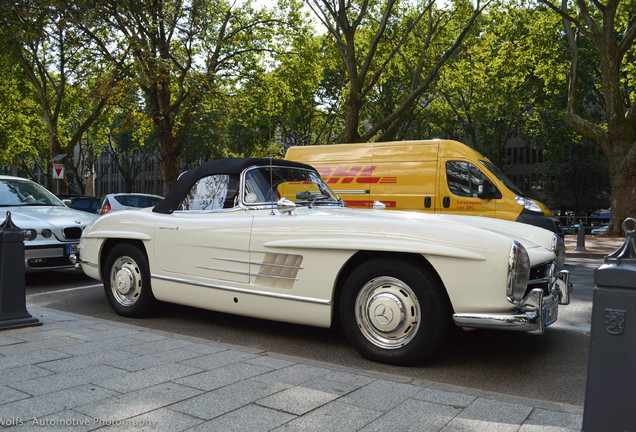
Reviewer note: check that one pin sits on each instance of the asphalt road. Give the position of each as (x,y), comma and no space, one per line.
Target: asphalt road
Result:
(550,367)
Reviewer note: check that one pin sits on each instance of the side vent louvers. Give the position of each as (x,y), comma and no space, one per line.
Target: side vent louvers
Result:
(279,270)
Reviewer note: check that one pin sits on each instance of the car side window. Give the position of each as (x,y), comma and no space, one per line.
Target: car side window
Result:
(212,193)
(463,178)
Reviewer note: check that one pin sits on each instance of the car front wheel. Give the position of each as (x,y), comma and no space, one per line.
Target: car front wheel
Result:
(394,311)
(127,281)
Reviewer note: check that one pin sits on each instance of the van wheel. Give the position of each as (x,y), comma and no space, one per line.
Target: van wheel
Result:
(394,312)
(127,281)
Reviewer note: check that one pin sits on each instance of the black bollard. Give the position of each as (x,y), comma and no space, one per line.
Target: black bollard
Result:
(611,374)
(580,239)
(13,312)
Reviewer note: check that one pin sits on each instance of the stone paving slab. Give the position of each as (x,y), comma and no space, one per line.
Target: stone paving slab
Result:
(75,373)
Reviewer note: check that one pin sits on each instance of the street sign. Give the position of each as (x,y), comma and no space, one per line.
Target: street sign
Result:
(58,171)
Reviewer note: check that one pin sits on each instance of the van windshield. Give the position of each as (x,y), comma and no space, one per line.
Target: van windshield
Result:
(502,177)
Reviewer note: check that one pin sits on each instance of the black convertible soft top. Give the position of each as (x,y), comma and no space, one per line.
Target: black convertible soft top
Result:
(234,166)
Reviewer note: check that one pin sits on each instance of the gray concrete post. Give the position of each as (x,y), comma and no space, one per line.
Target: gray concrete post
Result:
(610,393)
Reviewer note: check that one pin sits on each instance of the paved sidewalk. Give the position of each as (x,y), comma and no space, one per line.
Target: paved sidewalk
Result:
(595,246)
(76,373)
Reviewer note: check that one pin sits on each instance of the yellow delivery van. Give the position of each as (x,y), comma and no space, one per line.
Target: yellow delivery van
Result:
(437,176)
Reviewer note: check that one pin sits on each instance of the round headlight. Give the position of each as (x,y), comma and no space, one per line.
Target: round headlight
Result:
(30,234)
(558,247)
(46,233)
(518,272)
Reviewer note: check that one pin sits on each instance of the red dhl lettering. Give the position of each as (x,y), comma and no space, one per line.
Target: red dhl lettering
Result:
(324,171)
(354,171)
(353,174)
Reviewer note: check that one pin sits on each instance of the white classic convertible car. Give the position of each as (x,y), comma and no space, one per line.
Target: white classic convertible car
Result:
(268,239)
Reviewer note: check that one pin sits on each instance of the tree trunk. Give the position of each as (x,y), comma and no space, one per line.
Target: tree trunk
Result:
(168,149)
(352,119)
(623,181)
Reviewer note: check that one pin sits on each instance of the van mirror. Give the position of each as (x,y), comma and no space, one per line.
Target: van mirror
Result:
(487,190)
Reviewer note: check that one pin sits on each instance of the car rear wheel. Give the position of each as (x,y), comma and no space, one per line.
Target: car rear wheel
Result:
(394,311)
(127,281)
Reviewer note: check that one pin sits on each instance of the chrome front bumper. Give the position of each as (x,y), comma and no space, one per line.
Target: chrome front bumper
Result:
(534,313)
(57,256)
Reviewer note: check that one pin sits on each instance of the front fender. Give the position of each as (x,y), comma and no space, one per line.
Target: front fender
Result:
(379,245)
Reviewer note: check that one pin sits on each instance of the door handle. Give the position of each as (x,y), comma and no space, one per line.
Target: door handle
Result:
(446,202)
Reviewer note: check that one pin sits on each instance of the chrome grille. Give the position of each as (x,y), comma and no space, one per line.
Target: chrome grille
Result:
(540,276)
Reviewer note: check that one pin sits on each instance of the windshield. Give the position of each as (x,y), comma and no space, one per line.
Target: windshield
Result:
(298,185)
(502,177)
(25,193)
(141,201)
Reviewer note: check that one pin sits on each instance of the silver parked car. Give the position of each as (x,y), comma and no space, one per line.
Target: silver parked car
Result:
(51,230)
(128,201)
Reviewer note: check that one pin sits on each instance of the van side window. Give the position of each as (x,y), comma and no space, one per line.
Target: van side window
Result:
(212,193)
(463,178)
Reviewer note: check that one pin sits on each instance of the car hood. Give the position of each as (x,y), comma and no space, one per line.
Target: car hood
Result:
(517,230)
(46,216)
(528,235)
(344,227)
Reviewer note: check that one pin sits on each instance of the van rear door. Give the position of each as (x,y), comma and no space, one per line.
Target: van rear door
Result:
(461,183)
(405,176)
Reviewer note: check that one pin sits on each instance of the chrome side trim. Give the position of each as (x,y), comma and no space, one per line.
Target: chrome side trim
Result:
(258,263)
(243,290)
(244,273)
(88,263)
(352,192)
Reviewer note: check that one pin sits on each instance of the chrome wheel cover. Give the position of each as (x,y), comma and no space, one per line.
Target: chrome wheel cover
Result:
(125,281)
(387,312)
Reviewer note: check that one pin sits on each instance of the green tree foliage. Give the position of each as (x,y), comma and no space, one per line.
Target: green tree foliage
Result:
(271,103)
(487,92)
(57,62)
(128,147)
(610,31)
(21,127)
(178,52)
(371,37)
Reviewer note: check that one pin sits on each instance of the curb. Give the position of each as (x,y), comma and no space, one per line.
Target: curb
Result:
(581,254)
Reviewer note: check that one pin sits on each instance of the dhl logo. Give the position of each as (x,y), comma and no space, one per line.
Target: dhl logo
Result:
(353,174)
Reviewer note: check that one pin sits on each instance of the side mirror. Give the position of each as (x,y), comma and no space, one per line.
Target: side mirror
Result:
(286,206)
(378,205)
(487,190)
